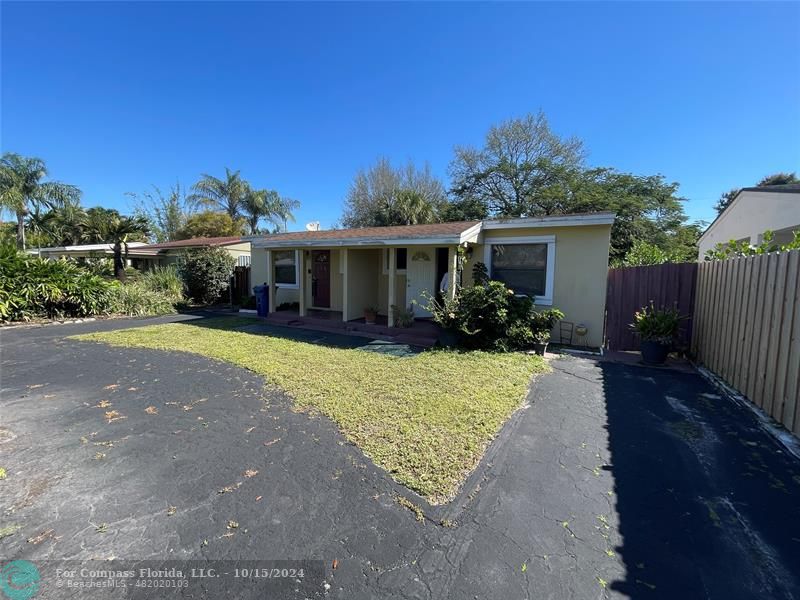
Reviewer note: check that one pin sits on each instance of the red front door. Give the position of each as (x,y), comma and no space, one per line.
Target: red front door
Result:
(321,278)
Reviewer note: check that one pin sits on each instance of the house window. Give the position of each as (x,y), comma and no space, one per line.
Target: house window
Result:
(401,260)
(525,265)
(285,267)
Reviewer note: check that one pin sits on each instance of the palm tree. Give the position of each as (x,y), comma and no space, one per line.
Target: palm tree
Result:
(255,206)
(118,230)
(224,194)
(284,211)
(21,188)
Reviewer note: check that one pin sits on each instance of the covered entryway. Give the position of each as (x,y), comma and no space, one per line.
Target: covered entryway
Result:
(420,279)
(321,278)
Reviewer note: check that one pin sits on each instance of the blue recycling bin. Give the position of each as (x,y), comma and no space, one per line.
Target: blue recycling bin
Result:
(262,300)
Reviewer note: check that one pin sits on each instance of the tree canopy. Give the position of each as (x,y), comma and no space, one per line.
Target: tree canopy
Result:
(385,195)
(211,224)
(520,170)
(22,188)
(167,213)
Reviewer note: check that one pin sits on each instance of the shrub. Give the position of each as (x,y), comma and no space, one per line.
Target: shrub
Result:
(35,287)
(165,281)
(403,317)
(206,273)
(542,322)
(138,299)
(492,317)
(657,324)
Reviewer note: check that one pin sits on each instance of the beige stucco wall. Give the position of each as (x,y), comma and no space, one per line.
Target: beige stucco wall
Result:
(363,270)
(259,276)
(750,215)
(581,268)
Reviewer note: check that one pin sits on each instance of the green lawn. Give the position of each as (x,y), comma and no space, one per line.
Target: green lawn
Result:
(426,419)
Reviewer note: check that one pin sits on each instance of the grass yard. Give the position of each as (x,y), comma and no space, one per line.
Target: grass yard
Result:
(426,419)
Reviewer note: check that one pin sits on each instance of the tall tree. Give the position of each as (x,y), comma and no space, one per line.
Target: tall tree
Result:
(647,208)
(167,212)
(519,171)
(21,188)
(221,194)
(385,195)
(775,179)
(269,206)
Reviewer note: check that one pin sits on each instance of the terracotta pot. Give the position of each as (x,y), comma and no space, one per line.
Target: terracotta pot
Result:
(370,317)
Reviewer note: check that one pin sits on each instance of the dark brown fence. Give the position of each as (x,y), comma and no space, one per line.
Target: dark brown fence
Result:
(241,283)
(631,288)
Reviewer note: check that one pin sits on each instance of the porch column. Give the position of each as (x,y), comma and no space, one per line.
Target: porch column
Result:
(301,283)
(392,281)
(345,284)
(452,268)
(271,281)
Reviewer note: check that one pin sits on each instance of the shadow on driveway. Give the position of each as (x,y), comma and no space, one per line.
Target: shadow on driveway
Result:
(708,503)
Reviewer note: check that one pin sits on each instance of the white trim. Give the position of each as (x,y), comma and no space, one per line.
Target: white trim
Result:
(522,239)
(385,261)
(471,234)
(549,278)
(554,221)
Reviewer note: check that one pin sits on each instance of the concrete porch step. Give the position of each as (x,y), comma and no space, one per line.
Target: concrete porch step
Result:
(423,339)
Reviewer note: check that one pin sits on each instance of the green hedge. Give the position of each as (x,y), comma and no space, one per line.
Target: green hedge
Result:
(32,287)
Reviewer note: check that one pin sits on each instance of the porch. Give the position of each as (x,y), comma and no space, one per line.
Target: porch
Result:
(423,332)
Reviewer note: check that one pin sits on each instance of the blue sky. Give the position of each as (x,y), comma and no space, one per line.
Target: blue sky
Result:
(117,96)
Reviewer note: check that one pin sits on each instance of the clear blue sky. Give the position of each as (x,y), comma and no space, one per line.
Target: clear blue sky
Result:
(117,96)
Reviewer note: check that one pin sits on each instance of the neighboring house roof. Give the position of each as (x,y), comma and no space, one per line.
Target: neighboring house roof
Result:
(134,249)
(433,233)
(788,188)
(199,242)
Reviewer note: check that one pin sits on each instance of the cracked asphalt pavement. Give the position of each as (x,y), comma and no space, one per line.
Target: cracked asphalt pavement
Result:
(615,481)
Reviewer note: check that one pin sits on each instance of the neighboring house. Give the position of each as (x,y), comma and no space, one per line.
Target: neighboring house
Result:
(561,261)
(144,256)
(238,247)
(753,211)
(140,254)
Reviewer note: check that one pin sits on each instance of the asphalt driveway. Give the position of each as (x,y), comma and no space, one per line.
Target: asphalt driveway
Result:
(615,482)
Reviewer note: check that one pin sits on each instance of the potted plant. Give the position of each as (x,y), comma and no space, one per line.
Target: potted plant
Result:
(370,315)
(540,341)
(542,322)
(657,328)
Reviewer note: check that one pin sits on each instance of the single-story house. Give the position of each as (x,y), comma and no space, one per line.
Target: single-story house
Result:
(560,261)
(144,256)
(753,211)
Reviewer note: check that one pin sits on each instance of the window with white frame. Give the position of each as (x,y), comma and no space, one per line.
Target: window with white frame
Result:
(401,260)
(286,264)
(525,265)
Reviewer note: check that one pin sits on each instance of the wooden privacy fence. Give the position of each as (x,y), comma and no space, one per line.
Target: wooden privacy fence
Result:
(241,283)
(747,329)
(631,288)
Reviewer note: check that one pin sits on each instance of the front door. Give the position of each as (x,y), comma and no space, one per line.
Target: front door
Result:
(321,278)
(420,275)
